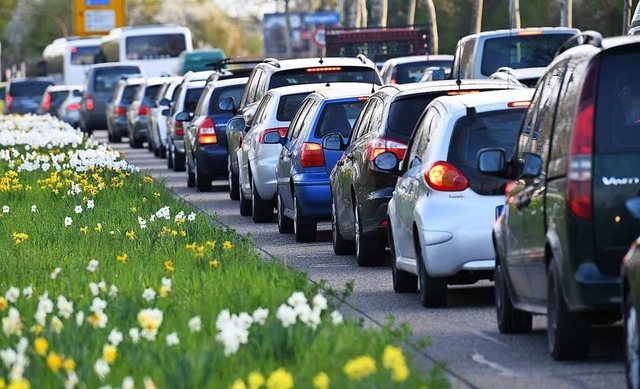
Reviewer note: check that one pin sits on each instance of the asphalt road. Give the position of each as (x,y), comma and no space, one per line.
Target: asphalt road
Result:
(464,334)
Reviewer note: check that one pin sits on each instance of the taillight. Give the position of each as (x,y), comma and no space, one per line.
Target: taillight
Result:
(8,100)
(46,103)
(311,155)
(378,146)
(579,191)
(207,132)
(89,103)
(267,134)
(143,110)
(179,129)
(121,111)
(445,177)
(72,107)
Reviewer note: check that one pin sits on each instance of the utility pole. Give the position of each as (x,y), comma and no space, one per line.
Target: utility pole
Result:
(566,13)
(476,16)
(288,28)
(626,15)
(432,26)
(411,13)
(514,13)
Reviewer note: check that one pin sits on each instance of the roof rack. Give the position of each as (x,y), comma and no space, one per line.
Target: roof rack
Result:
(589,37)
(219,65)
(272,61)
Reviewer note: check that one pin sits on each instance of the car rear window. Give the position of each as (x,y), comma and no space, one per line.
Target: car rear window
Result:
(520,51)
(106,79)
(338,117)
(84,55)
(150,93)
(288,106)
(58,97)
(618,105)
(324,74)
(129,93)
(191,99)
(412,72)
(28,88)
(220,93)
(489,129)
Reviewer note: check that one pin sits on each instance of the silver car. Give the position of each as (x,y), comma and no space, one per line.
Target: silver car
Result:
(261,146)
(156,122)
(69,109)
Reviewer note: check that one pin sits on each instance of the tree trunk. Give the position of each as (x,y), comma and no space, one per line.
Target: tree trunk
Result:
(476,17)
(384,10)
(411,13)
(361,14)
(514,12)
(289,53)
(432,26)
(351,13)
(566,13)
(627,15)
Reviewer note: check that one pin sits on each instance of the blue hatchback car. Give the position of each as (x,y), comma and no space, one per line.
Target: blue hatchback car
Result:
(302,172)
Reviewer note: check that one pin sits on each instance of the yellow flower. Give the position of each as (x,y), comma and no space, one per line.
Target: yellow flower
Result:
(214,263)
(148,179)
(321,381)
(144,199)
(360,367)
(227,245)
(19,237)
(67,172)
(98,228)
(133,209)
(168,266)
(122,258)
(400,373)
(190,246)
(211,244)
(156,194)
(180,222)
(174,233)
(238,384)
(255,380)
(4,304)
(163,291)
(54,361)
(41,345)
(392,356)
(183,233)
(280,379)
(84,229)
(69,365)
(130,234)
(109,353)
(36,329)
(22,383)
(3,385)
(200,251)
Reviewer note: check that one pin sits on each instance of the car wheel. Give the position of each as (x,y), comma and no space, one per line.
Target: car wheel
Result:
(202,180)
(163,152)
(262,210)
(245,206)
(135,143)
(191,177)
(341,246)
(178,161)
(109,136)
(632,342)
(149,145)
(304,231)
(234,184)
(567,332)
(116,138)
(433,291)
(369,252)
(403,281)
(169,157)
(285,225)
(510,319)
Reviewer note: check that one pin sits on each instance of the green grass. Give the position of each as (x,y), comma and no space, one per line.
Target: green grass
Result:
(241,282)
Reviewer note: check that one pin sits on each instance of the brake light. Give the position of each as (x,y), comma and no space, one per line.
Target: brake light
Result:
(393,81)
(143,110)
(530,32)
(312,155)
(378,146)
(519,104)
(207,132)
(579,191)
(72,107)
(89,103)
(179,129)
(121,111)
(282,131)
(445,177)
(327,69)
(8,100)
(46,103)
(461,92)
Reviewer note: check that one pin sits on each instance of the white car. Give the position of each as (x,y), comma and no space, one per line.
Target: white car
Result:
(157,122)
(443,208)
(261,146)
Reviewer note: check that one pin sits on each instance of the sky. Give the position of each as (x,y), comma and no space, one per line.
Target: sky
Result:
(237,8)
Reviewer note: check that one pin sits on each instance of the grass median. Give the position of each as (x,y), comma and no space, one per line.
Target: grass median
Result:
(106,279)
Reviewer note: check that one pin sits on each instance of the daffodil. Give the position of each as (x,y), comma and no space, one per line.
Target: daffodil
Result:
(280,379)
(130,234)
(168,266)
(255,380)
(227,245)
(214,263)
(69,365)
(156,194)
(122,258)
(98,228)
(360,367)
(190,246)
(321,381)
(109,353)
(211,244)
(199,252)
(54,361)
(4,304)
(41,346)
(84,229)
(21,383)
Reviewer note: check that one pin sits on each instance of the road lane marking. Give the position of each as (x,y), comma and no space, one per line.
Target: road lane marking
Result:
(484,336)
(502,371)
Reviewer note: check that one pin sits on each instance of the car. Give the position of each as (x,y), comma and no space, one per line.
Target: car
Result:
(100,81)
(53,97)
(157,123)
(25,95)
(634,27)
(198,60)
(442,210)
(274,73)
(258,155)
(480,55)
(526,76)
(403,70)
(362,183)
(187,95)
(116,111)
(565,228)
(3,92)
(69,110)
(630,277)
(205,142)
(139,109)
(303,168)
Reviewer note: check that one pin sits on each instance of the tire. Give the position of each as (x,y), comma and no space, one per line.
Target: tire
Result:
(341,246)
(403,281)
(202,180)
(116,138)
(261,210)
(178,161)
(632,342)
(109,136)
(245,206)
(510,320)
(285,225)
(303,231)
(163,152)
(169,158)
(136,143)
(149,145)
(234,184)
(156,150)
(433,291)
(369,252)
(191,177)
(567,333)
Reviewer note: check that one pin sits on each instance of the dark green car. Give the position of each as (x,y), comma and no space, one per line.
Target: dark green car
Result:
(564,230)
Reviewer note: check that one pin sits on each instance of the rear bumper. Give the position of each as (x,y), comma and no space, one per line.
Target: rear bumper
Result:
(590,290)
(264,175)
(212,159)
(139,129)
(373,211)
(314,195)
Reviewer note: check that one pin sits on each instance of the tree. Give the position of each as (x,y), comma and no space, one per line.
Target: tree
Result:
(432,26)
(411,13)
(566,17)
(476,17)
(514,13)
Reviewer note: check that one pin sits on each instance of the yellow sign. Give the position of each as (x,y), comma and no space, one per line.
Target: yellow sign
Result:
(98,17)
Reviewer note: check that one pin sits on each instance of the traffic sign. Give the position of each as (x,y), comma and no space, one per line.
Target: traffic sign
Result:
(319,37)
(320,18)
(98,17)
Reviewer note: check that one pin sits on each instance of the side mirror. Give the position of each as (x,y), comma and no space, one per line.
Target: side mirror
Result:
(184,116)
(77,93)
(387,161)
(166,112)
(272,138)
(333,142)
(492,162)
(164,102)
(532,165)
(237,124)
(227,104)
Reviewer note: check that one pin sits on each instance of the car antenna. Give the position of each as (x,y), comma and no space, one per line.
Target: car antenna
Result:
(320,61)
(373,74)
(510,41)
(458,80)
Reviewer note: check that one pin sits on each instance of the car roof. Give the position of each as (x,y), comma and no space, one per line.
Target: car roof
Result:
(59,88)
(420,58)
(521,31)
(114,65)
(155,80)
(339,90)
(295,89)
(445,85)
(197,76)
(298,63)
(485,101)
(229,81)
(610,43)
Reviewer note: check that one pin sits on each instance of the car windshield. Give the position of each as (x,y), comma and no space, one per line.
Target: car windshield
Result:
(288,106)
(106,79)
(520,51)
(326,74)
(413,72)
(338,118)
(489,129)
(28,88)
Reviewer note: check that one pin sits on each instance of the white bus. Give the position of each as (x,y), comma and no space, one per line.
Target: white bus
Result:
(156,48)
(66,59)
